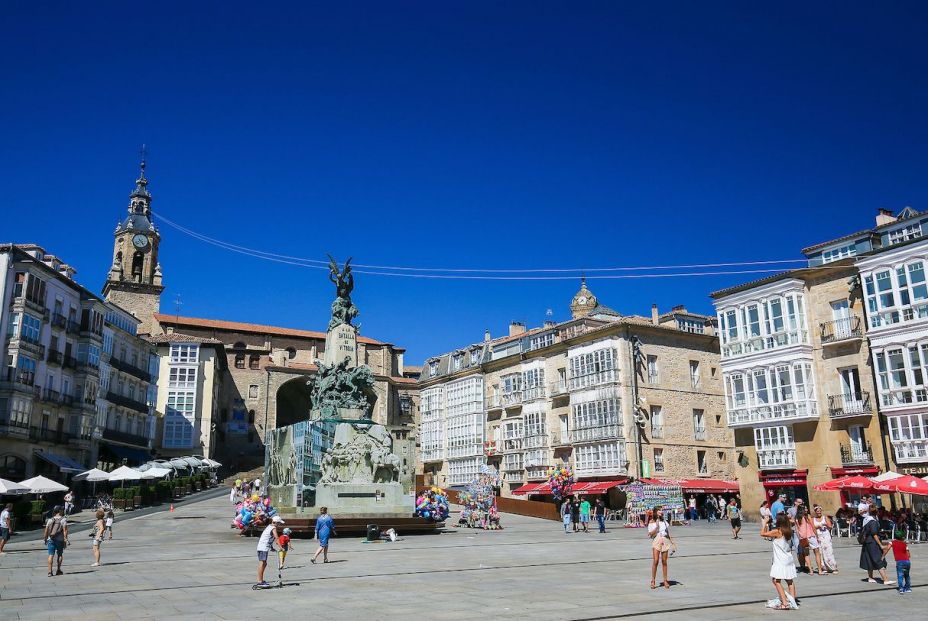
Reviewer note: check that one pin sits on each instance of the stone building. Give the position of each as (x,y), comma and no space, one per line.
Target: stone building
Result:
(264,375)
(814,356)
(253,377)
(60,409)
(566,392)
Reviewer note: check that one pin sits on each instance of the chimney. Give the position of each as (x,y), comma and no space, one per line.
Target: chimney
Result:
(884,216)
(549,324)
(516,328)
(655,316)
(486,336)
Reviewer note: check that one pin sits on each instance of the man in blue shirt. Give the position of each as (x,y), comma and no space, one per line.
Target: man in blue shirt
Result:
(777,507)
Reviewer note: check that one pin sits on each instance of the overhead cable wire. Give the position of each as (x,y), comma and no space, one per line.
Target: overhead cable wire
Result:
(493,274)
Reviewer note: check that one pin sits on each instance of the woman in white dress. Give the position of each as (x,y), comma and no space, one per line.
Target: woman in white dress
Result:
(782,567)
(823,532)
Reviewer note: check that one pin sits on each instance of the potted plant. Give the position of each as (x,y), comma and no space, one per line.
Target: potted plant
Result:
(119,498)
(37,511)
(188,481)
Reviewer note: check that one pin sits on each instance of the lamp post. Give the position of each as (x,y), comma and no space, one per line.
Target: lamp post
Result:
(639,414)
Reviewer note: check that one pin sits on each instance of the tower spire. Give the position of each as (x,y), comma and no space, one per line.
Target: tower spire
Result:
(140,199)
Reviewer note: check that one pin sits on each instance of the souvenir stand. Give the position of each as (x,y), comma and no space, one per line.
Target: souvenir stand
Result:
(642,498)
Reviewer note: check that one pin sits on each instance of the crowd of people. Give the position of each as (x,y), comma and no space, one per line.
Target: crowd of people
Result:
(577,511)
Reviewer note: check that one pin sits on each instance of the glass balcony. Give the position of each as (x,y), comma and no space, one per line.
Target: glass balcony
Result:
(535,392)
(775,412)
(771,459)
(598,378)
(910,451)
(536,440)
(763,343)
(909,314)
(557,389)
(841,406)
(601,469)
(594,434)
(505,400)
(903,396)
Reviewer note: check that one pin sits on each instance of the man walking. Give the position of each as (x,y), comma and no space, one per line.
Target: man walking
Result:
(778,507)
(68,503)
(56,538)
(565,515)
(711,508)
(5,527)
(600,511)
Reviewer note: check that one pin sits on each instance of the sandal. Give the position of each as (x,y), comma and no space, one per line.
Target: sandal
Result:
(653,586)
(49,574)
(666,584)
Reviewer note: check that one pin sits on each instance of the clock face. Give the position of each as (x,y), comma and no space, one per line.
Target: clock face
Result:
(581,299)
(140,241)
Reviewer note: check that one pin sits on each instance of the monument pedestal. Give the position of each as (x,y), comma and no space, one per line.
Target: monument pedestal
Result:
(368,500)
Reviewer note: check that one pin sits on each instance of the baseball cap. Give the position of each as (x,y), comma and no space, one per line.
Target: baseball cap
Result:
(278,520)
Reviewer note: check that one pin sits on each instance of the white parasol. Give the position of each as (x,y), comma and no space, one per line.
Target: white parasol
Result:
(41,485)
(124,473)
(93,475)
(886,476)
(9,487)
(156,473)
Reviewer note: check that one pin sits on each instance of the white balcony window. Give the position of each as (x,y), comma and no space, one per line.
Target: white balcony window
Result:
(694,374)
(657,422)
(902,374)
(909,437)
(836,254)
(771,323)
(653,371)
(512,461)
(911,231)
(593,368)
(533,384)
(699,424)
(658,460)
(463,471)
(770,393)
(536,458)
(596,420)
(775,447)
(896,295)
(607,458)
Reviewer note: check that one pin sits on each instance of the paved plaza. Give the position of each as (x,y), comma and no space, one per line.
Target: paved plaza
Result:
(190,565)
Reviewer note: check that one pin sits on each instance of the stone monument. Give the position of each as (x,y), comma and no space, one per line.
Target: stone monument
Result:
(360,473)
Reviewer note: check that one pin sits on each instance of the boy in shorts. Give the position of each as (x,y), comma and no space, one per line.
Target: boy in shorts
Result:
(265,545)
(108,524)
(285,546)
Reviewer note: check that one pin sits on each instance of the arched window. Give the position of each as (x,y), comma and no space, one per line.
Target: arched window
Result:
(12,467)
(137,260)
(291,353)
(253,361)
(239,345)
(118,260)
(239,361)
(251,417)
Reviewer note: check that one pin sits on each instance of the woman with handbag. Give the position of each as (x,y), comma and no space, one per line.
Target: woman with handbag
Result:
(661,546)
(872,557)
(808,540)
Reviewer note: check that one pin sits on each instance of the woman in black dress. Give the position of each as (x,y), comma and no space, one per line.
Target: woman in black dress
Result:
(871,549)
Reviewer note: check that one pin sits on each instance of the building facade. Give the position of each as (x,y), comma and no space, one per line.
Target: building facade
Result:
(51,393)
(823,365)
(567,393)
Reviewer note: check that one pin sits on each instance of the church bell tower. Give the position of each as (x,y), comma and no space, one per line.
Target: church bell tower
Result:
(134,279)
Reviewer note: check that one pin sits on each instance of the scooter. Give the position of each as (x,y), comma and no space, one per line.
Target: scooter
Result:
(280,581)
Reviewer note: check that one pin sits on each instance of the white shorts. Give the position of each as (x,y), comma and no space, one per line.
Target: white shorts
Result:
(813,542)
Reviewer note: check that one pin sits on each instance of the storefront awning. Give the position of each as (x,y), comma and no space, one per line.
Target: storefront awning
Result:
(533,488)
(131,455)
(62,462)
(709,486)
(596,487)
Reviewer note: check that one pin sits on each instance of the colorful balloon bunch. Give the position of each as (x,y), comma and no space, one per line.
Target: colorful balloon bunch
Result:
(253,512)
(432,505)
(561,481)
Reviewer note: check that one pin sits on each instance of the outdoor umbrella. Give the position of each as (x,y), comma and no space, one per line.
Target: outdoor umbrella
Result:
(9,487)
(855,483)
(193,461)
(156,473)
(124,473)
(212,463)
(906,484)
(180,464)
(93,475)
(886,476)
(41,485)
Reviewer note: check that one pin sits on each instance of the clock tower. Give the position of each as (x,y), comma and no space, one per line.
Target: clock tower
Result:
(583,303)
(134,280)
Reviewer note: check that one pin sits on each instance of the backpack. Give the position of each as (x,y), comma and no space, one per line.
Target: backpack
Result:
(862,536)
(55,530)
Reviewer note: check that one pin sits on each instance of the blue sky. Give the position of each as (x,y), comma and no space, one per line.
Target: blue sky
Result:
(457,134)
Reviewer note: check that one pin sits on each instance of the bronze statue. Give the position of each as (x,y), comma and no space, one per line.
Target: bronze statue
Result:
(343,310)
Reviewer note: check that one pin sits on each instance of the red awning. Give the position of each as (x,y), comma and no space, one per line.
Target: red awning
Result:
(709,486)
(596,487)
(867,471)
(657,481)
(533,488)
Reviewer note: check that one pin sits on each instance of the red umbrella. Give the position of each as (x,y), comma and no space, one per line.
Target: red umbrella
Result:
(855,483)
(906,484)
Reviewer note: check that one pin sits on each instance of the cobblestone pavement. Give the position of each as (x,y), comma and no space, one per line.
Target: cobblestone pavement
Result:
(190,565)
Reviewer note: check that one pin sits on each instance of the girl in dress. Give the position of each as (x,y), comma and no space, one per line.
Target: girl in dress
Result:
(659,531)
(823,526)
(782,567)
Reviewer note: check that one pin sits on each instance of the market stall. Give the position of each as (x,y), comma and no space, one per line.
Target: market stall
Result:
(645,497)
